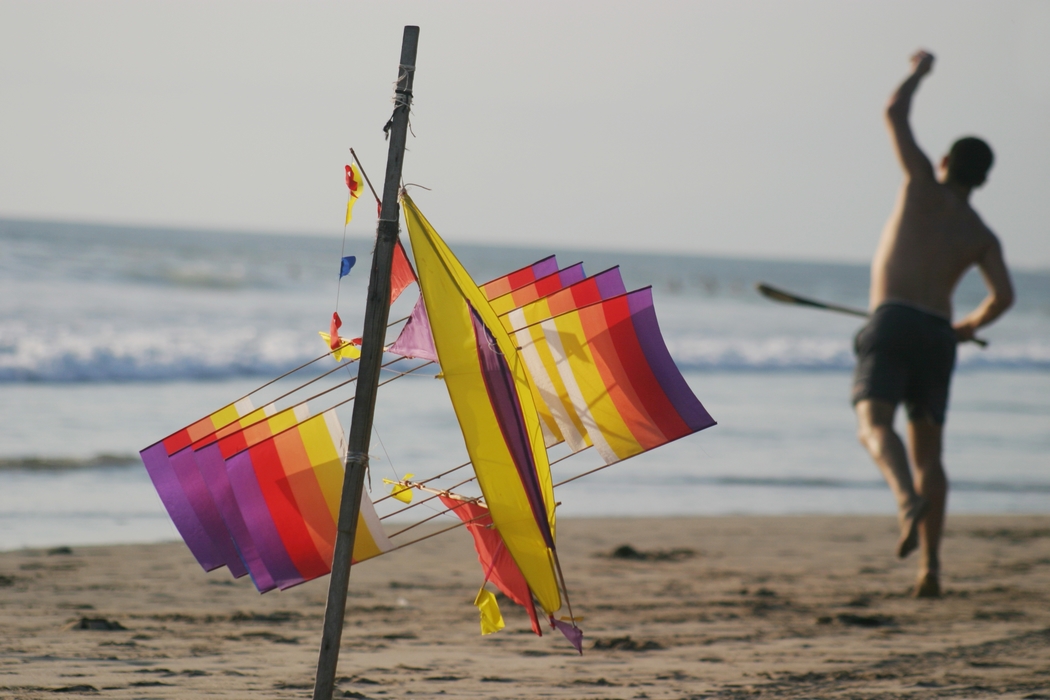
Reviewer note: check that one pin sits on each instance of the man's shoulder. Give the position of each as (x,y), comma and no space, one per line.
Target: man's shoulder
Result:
(977,223)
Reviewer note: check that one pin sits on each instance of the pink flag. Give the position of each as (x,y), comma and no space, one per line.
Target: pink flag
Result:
(415,339)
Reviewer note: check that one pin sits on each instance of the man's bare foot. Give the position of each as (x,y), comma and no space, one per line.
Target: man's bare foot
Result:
(929,586)
(909,540)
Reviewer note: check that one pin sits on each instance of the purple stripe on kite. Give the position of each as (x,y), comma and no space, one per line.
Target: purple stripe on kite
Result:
(213,468)
(155,458)
(547,266)
(185,467)
(610,284)
(572,274)
(504,399)
(643,316)
(257,518)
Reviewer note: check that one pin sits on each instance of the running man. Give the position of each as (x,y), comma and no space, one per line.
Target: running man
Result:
(906,352)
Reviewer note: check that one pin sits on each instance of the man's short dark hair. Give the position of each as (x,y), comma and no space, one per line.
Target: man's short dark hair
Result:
(969,161)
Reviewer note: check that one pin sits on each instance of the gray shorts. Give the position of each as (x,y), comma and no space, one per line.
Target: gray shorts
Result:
(905,354)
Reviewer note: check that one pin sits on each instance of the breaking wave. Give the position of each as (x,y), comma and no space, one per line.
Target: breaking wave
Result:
(813,354)
(45,463)
(199,354)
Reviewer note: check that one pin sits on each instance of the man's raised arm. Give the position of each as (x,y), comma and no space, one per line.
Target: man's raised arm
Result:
(912,159)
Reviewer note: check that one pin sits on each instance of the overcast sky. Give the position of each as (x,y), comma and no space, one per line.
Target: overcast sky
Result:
(734,128)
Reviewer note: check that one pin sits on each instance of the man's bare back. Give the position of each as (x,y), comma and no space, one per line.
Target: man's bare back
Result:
(933,235)
(906,352)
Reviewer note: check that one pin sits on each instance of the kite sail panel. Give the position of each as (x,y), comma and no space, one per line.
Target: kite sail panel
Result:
(561,420)
(520,278)
(544,286)
(493,400)
(288,488)
(259,492)
(184,494)
(619,376)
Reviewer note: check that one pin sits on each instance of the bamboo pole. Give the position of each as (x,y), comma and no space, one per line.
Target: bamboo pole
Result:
(376,315)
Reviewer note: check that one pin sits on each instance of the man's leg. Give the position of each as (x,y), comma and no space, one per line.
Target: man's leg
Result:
(875,432)
(926,441)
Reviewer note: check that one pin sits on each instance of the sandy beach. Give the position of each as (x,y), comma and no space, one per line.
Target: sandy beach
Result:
(812,606)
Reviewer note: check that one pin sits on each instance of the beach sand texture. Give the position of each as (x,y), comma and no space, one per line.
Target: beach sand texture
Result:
(723,607)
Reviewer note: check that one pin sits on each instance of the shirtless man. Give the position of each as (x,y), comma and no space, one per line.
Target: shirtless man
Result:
(907,350)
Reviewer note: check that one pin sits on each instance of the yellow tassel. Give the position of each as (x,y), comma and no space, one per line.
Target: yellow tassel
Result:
(491,619)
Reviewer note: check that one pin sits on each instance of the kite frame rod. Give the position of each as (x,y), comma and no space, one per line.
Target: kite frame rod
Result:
(425,500)
(435,534)
(620,461)
(438,514)
(362,167)
(259,388)
(377,313)
(427,480)
(290,372)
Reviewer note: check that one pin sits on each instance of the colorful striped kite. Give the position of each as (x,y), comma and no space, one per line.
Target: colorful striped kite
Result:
(619,377)
(493,400)
(260,494)
(536,357)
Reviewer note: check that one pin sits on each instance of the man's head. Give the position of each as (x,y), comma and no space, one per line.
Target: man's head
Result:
(968,162)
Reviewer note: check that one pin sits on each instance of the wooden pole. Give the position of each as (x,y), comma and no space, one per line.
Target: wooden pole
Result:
(377,313)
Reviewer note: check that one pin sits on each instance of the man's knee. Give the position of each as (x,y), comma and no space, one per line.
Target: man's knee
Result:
(874,420)
(931,472)
(927,445)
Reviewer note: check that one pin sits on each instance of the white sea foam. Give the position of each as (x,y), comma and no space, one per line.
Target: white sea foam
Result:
(108,354)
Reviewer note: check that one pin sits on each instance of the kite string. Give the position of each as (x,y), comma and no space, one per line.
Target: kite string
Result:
(435,534)
(397,375)
(619,461)
(346,223)
(389,461)
(438,514)
(339,366)
(445,473)
(342,250)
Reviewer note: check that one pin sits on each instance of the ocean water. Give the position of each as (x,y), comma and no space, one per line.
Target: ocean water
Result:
(112,338)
